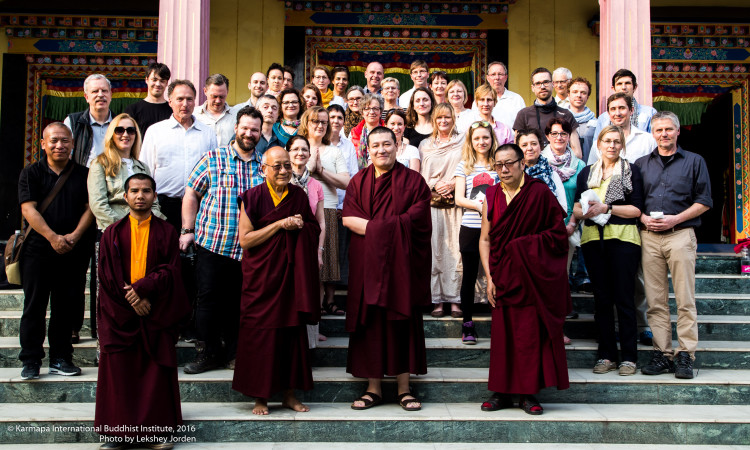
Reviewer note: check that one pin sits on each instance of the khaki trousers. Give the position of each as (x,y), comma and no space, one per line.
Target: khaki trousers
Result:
(674,252)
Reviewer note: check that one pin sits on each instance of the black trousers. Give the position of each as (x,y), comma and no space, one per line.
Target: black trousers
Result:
(217,317)
(612,265)
(60,281)
(468,244)
(172,208)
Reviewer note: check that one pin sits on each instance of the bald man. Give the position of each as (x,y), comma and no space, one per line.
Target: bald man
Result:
(257,86)
(56,252)
(374,76)
(279,238)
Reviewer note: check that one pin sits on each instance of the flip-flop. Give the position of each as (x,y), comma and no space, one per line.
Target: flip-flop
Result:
(403,403)
(497,402)
(376,400)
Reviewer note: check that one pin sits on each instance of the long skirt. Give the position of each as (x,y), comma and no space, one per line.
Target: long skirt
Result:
(330,270)
(272,360)
(387,347)
(134,390)
(447,268)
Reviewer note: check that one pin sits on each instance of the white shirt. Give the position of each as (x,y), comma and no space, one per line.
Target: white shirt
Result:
(98,130)
(465,118)
(410,152)
(333,161)
(223,126)
(236,108)
(563,103)
(129,164)
(560,190)
(170,152)
(506,109)
(637,144)
(350,157)
(405,98)
(336,100)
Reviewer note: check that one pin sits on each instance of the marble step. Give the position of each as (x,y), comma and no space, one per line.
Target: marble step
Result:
(436,422)
(710,327)
(440,384)
(440,352)
(384,446)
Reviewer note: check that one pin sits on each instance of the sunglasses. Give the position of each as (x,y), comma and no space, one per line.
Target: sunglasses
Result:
(481,123)
(121,130)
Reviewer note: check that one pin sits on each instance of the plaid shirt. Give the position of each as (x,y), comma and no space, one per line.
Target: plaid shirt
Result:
(220,177)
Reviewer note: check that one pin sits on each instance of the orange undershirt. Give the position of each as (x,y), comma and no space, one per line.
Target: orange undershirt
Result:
(511,195)
(274,196)
(138,248)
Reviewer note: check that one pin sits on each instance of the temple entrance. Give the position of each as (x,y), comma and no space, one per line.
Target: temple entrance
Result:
(712,139)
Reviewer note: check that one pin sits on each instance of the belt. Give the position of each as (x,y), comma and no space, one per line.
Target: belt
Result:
(670,230)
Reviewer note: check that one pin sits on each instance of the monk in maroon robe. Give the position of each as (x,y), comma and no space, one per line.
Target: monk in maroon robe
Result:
(387,207)
(523,246)
(279,236)
(142,304)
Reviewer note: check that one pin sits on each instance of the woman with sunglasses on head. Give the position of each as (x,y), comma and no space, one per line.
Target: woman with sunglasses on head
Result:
(292,106)
(486,98)
(107,175)
(474,174)
(327,165)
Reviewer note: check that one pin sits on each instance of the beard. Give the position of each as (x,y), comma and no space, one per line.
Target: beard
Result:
(246,144)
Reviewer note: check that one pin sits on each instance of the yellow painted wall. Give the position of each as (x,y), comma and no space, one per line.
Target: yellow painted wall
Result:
(246,37)
(551,34)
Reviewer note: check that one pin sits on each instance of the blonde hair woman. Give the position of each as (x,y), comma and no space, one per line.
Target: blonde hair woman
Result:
(441,154)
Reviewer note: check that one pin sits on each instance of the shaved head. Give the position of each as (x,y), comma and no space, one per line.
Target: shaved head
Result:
(277,167)
(273,154)
(55,125)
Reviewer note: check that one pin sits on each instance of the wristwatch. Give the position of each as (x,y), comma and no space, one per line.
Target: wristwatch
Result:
(609,208)
(187,231)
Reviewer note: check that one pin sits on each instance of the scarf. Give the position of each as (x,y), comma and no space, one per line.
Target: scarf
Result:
(290,123)
(636,111)
(566,165)
(543,171)
(362,153)
(549,108)
(584,116)
(620,184)
(326,96)
(301,180)
(351,120)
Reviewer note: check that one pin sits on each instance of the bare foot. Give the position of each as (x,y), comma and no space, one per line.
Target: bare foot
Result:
(291,402)
(261,407)
(322,338)
(409,401)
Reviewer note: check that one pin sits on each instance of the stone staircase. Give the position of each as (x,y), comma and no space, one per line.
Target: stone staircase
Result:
(710,409)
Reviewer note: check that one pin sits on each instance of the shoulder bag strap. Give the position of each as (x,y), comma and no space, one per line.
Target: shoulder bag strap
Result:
(53,193)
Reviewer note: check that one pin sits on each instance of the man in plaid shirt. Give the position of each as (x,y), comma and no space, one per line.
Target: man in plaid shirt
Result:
(210,220)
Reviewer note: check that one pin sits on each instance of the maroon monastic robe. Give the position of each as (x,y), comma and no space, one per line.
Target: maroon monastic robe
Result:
(528,254)
(137,383)
(389,272)
(280,296)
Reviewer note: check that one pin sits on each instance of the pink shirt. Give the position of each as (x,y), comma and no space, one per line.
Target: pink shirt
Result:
(314,193)
(503,133)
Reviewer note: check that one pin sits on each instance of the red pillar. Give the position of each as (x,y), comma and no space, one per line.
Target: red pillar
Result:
(183,39)
(625,43)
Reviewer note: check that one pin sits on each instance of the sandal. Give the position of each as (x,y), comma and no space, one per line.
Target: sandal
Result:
(403,401)
(333,309)
(376,400)
(497,402)
(530,405)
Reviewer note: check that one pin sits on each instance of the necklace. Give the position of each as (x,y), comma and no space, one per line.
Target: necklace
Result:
(290,123)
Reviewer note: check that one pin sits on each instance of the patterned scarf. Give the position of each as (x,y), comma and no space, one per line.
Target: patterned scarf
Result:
(620,184)
(362,153)
(584,116)
(351,120)
(543,171)
(565,165)
(301,180)
(636,111)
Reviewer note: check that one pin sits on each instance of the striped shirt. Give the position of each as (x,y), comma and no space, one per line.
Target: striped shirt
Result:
(220,177)
(477,183)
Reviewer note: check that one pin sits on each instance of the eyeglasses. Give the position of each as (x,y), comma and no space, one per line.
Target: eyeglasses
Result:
(480,123)
(354,100)
(277,167)
(390,88)
(372,108)
(611,141)
(561,134)
(320,77)
(290,103)
(542,83)
(499,166)
(317,122)
(119,131)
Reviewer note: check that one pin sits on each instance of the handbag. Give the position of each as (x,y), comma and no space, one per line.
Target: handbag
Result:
(12,254)
(438,201)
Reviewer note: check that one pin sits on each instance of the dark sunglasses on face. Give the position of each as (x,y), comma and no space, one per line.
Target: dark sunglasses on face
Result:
(121,130)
